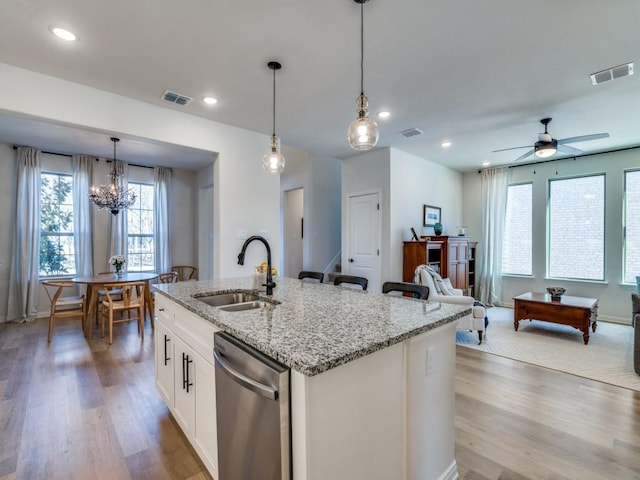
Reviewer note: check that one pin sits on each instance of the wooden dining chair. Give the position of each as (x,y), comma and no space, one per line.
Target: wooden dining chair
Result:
(101,295)
(417,291)
(351,279)
(185,272)
(132,300)
(169,277)
(63,307)
(311,275)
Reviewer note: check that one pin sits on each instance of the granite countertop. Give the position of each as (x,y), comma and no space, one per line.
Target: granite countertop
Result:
(316,327)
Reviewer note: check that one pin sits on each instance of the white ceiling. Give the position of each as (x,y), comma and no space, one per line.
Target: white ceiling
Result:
(479,73)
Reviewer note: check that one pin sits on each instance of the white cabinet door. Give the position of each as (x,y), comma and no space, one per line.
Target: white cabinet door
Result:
(205,435)
(165,361)
(185,386)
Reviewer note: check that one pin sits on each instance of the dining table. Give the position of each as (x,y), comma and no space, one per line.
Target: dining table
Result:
(95,283)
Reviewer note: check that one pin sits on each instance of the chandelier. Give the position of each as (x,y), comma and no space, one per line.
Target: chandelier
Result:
(115,196)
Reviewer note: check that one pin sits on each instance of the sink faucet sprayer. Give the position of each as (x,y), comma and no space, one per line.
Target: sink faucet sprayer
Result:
(270,283)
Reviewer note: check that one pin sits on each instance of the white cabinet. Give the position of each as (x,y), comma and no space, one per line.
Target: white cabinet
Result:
(185,376)
(164,362)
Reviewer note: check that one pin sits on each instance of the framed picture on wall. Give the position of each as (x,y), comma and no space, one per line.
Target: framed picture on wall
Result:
(431,215)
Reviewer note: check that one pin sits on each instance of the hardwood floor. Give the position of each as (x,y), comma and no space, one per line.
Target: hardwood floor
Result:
(517,421)
(78,409)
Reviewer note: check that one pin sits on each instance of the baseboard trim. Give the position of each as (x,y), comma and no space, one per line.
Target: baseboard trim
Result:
(451,473)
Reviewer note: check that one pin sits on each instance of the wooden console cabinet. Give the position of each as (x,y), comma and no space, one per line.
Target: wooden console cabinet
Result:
(448,255)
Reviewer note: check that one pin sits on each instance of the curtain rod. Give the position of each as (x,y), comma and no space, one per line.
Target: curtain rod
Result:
(15,147)
(572,157)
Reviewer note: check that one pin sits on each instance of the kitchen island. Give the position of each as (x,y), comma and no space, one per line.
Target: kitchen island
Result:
(372,375)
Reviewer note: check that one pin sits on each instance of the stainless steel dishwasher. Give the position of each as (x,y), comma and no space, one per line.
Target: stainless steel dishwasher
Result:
(252,411)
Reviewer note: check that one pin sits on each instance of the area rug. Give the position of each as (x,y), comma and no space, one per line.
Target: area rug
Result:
(607,358)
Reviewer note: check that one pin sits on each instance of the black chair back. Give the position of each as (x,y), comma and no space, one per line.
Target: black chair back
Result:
(355,280)
(313,275)
(418,291)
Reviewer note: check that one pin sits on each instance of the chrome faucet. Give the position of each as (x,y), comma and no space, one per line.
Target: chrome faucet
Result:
(270,284)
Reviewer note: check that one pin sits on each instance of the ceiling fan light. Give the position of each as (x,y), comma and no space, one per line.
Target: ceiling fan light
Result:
(545,149)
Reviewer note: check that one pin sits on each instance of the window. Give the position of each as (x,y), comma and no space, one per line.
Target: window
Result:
(517,241)
(57,252)
(632,226)
(576,228)
(140,243)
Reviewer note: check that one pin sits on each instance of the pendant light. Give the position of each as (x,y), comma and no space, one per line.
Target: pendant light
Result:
(115,196)
(273,161)
(363,132)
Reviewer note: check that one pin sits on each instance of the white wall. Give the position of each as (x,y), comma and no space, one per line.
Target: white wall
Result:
(415,182)
(205,226)
(614,297)
(245,196)
(321,179)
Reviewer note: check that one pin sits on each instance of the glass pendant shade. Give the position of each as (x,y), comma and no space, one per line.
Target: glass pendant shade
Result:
(363,132)
(273,161)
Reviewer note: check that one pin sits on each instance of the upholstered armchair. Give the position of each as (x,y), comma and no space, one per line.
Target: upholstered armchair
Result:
(441,290)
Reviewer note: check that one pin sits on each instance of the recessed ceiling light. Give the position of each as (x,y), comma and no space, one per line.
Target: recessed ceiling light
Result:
(63,33)
(210,100)
(384,114)
(486,164)
(446,144)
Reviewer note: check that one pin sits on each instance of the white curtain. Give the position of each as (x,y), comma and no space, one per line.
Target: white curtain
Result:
(82,219)
(24,283)
(494,202)
(161,187)
(118,223)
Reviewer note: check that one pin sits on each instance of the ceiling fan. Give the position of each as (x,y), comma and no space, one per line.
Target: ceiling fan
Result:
(547,146)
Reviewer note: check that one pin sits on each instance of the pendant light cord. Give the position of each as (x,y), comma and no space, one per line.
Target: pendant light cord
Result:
(362,48)
(274,102)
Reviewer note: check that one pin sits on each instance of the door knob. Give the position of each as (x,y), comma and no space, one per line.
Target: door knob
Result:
(351,260)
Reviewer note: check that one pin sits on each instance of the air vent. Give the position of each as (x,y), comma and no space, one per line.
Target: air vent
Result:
(612,73)
(410,132)
(176,98)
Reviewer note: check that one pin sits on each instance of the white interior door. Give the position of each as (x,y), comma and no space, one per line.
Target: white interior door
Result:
(363,257)
(293,232)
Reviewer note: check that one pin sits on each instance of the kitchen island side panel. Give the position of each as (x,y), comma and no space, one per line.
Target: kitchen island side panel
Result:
(348,422)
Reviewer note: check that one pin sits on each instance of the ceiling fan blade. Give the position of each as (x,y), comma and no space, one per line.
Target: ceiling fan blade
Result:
(512,148)
(568,149)
(523,156)
(583,138)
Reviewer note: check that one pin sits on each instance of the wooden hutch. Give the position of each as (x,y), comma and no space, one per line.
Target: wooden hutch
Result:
(452,257)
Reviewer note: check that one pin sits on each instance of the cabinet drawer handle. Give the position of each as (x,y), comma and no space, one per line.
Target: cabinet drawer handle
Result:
(166,358)
(184,367)
(188,383)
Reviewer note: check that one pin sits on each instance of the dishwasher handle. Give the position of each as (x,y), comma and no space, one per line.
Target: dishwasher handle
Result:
(249,383)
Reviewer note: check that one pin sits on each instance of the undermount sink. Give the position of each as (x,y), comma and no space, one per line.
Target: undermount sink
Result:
(236,301)
(223,299)
(240,307)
